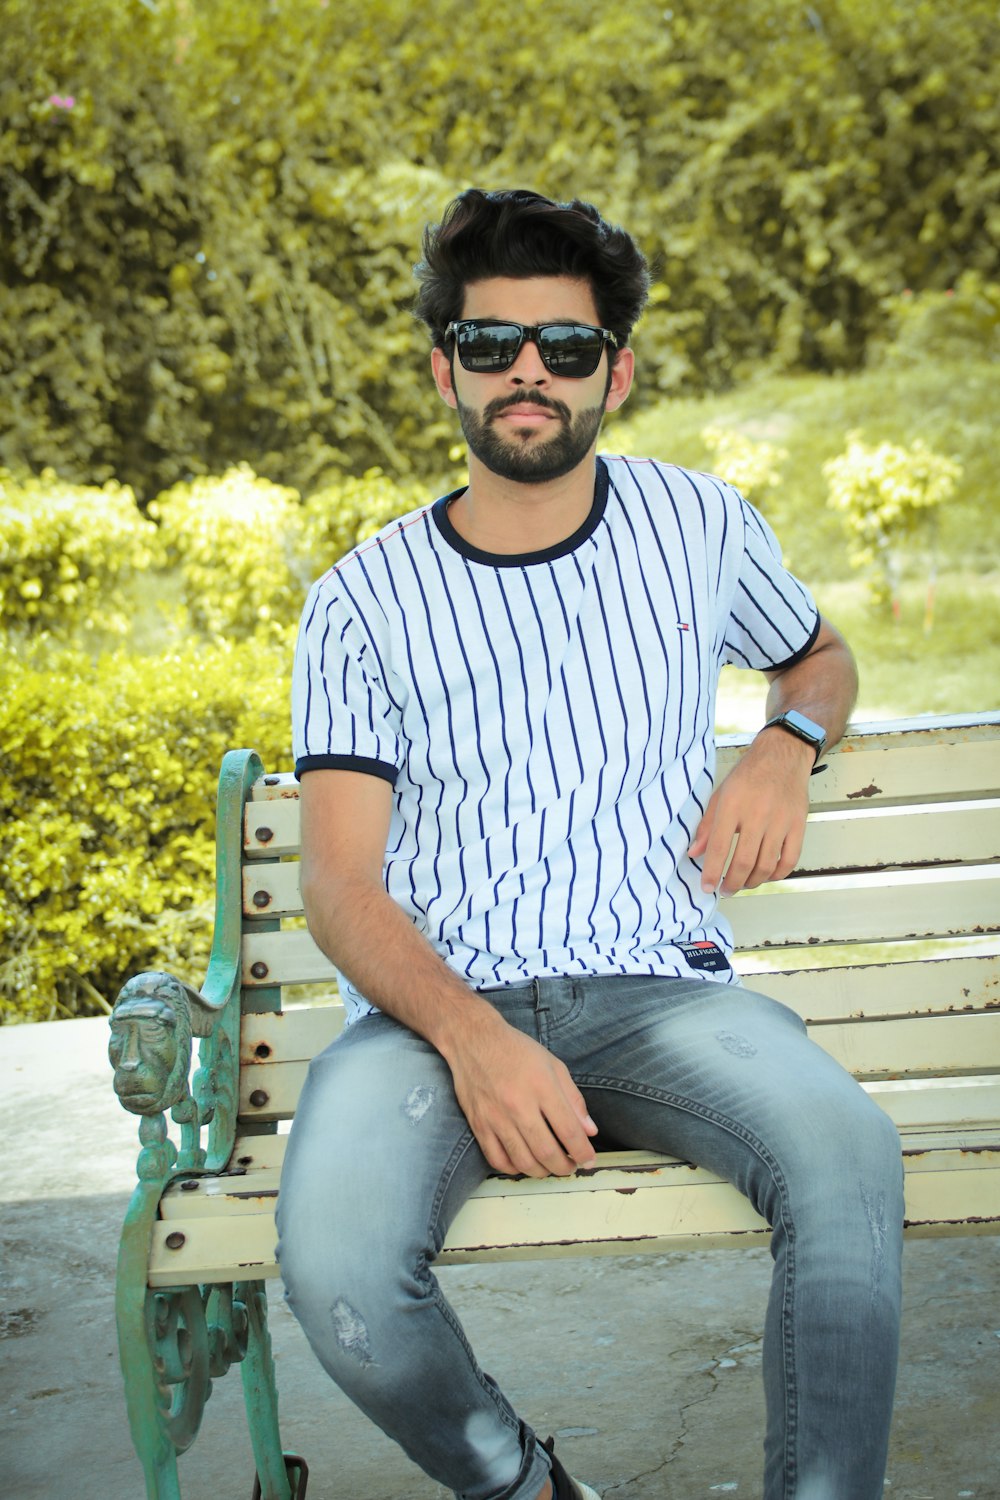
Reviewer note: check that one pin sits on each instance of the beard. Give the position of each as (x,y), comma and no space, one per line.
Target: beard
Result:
(520,456)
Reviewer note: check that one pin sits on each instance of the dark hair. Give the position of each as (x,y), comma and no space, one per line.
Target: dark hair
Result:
(519,233)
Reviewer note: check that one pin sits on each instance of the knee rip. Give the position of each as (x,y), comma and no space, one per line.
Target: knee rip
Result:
(875,1209)
(417,1102)
(351,1332)
(739,1046)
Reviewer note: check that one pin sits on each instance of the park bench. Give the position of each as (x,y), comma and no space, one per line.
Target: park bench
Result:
(897,897)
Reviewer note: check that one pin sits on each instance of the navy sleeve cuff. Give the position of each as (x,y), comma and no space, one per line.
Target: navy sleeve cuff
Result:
(781,666)
(346,763)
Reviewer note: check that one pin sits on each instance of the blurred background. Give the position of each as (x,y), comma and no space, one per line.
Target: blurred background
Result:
(211,383)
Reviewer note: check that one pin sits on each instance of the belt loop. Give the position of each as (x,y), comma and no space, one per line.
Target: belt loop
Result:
(541,1012)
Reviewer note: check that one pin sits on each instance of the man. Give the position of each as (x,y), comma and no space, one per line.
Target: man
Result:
(512,849)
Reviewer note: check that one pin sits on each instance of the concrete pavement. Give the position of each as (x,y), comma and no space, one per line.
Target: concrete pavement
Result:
(646,1368)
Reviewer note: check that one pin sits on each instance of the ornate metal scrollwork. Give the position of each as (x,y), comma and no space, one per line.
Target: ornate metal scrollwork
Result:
(195,1334)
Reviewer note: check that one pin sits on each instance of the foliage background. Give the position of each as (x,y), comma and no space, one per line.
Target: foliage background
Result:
(209,209)
(211,384)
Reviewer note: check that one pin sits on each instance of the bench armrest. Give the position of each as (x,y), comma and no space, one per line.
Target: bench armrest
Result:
(156,1015)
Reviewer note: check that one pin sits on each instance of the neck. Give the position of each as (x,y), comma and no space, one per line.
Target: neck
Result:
(504,517)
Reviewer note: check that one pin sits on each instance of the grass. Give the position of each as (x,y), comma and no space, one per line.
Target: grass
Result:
(906,668)
(950,405)
(905,671)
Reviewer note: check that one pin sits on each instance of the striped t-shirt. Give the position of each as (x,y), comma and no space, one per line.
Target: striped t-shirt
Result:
(547,720)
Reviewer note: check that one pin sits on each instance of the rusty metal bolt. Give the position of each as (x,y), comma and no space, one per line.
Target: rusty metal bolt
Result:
(271,780)
(244,1161)
(175,1240)
(262,1049)
(264,835)
(190,1185)
(259,1098)
(259,969)
(262,898)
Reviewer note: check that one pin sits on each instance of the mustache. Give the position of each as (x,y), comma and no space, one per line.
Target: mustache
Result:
(500,404)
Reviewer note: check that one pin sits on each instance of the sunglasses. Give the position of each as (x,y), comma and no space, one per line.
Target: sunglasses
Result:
(570,349)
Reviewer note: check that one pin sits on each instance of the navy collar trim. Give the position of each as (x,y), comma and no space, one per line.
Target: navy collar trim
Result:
(439,512)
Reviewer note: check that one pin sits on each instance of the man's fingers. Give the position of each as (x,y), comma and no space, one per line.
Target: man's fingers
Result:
(717,864)
(570,1137)
(554,1143)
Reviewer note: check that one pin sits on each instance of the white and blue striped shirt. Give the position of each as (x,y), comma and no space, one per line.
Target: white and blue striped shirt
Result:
(547,721)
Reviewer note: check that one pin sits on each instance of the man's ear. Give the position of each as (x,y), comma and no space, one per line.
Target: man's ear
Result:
(441,366)
(622,372)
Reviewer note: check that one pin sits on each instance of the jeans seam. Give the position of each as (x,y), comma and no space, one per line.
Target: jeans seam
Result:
(422,1273)
(702,1112)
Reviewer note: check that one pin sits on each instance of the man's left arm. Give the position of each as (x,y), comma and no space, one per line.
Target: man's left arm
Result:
(763,802)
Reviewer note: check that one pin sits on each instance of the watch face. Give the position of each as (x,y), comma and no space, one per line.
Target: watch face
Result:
(805,728)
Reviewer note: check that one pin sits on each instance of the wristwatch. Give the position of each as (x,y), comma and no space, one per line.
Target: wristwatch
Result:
(803,729)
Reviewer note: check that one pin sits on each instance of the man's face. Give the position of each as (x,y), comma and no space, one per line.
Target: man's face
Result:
(526,424)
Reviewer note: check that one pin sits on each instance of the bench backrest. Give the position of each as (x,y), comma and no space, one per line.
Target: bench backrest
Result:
(888,931)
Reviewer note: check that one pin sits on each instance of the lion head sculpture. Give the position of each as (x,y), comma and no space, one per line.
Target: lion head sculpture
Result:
(150,1045)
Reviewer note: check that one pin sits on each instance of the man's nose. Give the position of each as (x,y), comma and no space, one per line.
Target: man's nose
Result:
(528,368)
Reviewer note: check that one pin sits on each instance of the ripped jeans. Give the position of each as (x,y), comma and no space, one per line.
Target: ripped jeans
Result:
(380,1159)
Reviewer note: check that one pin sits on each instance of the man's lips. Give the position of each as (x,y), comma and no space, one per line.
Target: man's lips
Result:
(527,407)
(533,415)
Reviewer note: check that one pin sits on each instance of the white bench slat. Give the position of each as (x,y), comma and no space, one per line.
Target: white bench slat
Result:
(954,753)
(934,833)
(942,986)
(858,775)
(239,1193)
(855,836)
(868,908)
(959,1105)
(806,912)
(659,1205)
(966,833)
(272,829)
(909,987)
(278,1085)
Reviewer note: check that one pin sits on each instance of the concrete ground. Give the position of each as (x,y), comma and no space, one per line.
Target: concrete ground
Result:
(646,1368)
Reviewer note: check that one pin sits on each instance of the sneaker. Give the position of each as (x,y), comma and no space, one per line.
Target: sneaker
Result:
(563,1487)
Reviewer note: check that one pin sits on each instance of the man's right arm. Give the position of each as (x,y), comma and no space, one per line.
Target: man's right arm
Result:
(523,1107)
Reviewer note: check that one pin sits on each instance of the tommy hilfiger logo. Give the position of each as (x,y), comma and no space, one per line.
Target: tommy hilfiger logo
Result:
(683,625)
(705,955)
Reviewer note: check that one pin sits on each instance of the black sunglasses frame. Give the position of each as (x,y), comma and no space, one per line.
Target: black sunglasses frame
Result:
(528,333)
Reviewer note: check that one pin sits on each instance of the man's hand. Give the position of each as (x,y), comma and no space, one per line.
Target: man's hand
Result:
(522,1104)
(762,804)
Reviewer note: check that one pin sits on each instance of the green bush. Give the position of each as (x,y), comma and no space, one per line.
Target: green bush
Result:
(960,323)
(753,465)
(234,544)
(888,496)
(209,213)
(245,550)
(108,763)
(337,518)
(107,783)
(69,555)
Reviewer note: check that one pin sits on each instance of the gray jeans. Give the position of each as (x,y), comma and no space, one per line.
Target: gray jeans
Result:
(380,1159)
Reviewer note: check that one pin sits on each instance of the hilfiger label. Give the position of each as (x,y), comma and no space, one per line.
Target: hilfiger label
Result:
(704,955)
